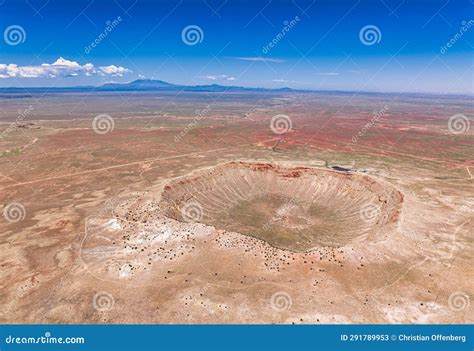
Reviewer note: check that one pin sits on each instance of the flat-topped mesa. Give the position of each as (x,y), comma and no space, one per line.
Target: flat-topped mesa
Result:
(293,208)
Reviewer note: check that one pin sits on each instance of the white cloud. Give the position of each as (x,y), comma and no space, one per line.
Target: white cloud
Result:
(220,77)
(60,68)
(328,73)
(280,81)
(116,71)
(258,58)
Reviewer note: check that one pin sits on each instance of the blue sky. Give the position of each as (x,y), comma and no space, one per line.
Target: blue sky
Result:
(323,48)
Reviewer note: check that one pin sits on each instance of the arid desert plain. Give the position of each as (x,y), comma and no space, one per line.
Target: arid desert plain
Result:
(208,207)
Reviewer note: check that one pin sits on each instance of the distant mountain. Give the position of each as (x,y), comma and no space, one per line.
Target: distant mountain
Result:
(139,84)
(150,84)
